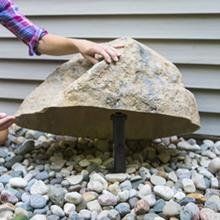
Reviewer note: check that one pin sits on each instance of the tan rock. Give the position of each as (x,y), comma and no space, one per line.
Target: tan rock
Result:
(78,99)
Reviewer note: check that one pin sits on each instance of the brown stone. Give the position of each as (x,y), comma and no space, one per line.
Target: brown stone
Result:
(78,99)
(198,197)
(141,207)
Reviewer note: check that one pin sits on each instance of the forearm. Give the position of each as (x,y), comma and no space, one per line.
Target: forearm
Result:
(56,45)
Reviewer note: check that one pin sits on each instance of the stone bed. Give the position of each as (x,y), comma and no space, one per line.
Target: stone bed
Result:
(52,177)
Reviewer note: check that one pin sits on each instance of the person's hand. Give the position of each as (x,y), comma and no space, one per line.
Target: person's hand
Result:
(6,121)
(94,51)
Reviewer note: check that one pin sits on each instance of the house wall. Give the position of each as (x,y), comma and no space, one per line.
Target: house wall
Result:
(186,32)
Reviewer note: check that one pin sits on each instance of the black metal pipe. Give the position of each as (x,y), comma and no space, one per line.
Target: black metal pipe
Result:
(119,142)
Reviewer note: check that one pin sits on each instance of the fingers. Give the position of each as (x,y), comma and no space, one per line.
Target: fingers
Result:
(2,115)
(6,122)
(91,59)
(108,53)
(7,125)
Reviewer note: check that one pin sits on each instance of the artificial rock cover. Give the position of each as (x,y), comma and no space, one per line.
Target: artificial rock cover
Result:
(78,99)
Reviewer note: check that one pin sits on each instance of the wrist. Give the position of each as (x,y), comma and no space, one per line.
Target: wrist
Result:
(76,44)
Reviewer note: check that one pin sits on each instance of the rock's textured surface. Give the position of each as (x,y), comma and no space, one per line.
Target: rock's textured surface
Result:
(143,85)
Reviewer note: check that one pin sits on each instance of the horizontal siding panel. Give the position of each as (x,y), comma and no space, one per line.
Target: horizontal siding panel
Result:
(210,124)
(208,100)
(201,76)
(139,26)
(13,89)
(194,76)
(83,7)
(178,51)
(9,106)
(27,69)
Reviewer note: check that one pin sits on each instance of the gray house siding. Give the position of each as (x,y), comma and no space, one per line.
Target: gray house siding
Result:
(185,32)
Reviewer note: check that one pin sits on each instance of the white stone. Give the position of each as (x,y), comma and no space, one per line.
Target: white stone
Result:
(179,195)
(150,199)
(69,208)
(198,180)
(39,217)
(73,197)
(172,176)
(39,187)
(97,183)
(171,208)
(164,192)
(117,177)
(157,180)
(56,210)
(214,165)
(75,179)
(214,183)
(18,182)
(123,196)
(94,206)
(144,190)
(188,185)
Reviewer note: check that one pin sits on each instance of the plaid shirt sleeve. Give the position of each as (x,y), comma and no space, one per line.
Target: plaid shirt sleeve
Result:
(18,24)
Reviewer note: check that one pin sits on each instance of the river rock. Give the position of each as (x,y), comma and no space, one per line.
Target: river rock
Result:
(56,210)
(171,208)
(56,195)
(73,197)
(141,207)
(214,165)
(39,187)
(107,199)
(164,192)
(18,182)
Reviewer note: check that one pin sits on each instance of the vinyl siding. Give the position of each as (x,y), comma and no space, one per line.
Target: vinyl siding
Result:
(185,32)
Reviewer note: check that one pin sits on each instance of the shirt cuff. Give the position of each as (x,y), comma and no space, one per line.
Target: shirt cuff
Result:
(34,42)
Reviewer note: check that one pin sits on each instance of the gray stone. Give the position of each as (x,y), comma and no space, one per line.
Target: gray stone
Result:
(107,199)
(42,175)
(4,179)
(158,207)
(37,201)
(117,177)
(123,209)
(13,160)
(159,91)
(213,203)
(56,195)
(114,215)
(190,211)
(26,147)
